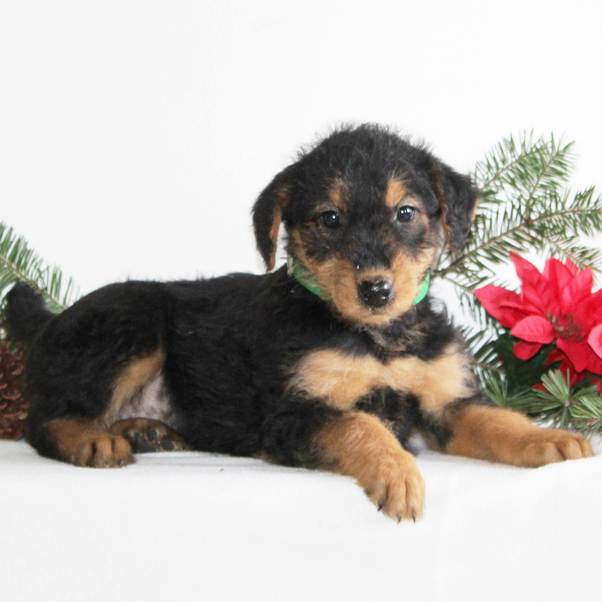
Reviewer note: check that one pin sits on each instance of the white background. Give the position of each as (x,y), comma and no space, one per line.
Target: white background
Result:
(135,136)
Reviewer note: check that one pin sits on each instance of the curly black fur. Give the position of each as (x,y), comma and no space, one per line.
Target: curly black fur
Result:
(231,343)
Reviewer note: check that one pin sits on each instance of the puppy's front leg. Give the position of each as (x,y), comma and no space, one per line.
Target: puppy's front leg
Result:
(500,435)
(358,444)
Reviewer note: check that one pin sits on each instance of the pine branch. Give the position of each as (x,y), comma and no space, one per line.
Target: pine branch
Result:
(577,408)
(486,363)
(524,208)
(538,232)
(18,262)
(492,172)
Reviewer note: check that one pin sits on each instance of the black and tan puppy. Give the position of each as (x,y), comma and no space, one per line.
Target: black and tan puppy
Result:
(329,362)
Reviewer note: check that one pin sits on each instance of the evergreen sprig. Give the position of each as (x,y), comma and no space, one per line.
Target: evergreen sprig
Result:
(18,262)
(524,207)
(557,404)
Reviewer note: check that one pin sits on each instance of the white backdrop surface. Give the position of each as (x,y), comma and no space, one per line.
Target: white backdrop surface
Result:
(134,137)
(189,525)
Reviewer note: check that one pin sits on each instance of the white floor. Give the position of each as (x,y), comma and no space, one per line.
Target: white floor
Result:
(196,526)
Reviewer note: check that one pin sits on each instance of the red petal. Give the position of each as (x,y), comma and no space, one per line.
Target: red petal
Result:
(523,268)
(537,296)
(549,298)
(525,351)
(595,339)
(556,355)
(534,329)
(579,352)
(572,266)
(558,274)
(519,306)
(493,299)
(595,363)
(566,365)
(588,313)
(577,289)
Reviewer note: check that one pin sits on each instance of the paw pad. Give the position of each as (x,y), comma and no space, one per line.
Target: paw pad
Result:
(147,435)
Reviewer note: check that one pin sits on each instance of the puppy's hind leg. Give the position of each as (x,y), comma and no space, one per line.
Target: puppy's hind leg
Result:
(87,365)
(85,441)
(79,442)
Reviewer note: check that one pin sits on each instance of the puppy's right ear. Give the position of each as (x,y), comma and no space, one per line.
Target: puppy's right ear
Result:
(267,214)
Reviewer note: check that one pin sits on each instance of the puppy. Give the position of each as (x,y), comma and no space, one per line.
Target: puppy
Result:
(331,361)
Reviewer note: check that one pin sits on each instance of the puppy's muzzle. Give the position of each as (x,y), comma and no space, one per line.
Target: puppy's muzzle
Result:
(376,293)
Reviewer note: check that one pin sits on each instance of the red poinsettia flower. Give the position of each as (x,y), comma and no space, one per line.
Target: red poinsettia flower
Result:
(556,304)
(567,368)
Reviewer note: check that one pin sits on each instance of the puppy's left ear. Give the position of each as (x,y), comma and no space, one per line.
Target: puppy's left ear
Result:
(267,214)
(458,200)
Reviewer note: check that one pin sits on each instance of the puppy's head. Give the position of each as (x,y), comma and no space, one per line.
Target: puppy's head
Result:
(364,211)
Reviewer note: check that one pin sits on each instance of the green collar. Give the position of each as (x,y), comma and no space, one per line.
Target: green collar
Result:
(304,278)
(423,290)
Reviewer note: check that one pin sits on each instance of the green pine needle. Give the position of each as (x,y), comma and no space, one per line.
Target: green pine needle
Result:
(559,404)
(525,207)
(18,262)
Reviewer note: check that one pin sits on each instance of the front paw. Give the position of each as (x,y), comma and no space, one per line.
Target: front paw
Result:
(546,446)
(395,485)
(360,446)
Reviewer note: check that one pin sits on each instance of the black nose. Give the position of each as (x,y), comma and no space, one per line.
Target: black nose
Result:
(375,293)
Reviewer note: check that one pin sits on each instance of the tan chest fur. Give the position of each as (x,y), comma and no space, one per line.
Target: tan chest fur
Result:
(341,379)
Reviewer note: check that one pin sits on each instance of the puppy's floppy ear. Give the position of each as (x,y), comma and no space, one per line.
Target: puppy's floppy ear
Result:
(458,200)
(267,214)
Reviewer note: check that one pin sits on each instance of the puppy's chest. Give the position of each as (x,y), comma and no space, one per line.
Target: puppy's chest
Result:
(345,381)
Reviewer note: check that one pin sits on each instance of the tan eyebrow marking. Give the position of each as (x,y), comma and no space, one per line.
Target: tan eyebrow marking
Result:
(395,192)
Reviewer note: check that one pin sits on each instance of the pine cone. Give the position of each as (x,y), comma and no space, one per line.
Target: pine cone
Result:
(13,407)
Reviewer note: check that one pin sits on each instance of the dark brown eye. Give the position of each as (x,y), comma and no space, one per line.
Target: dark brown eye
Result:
(406,213)
(331,219)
